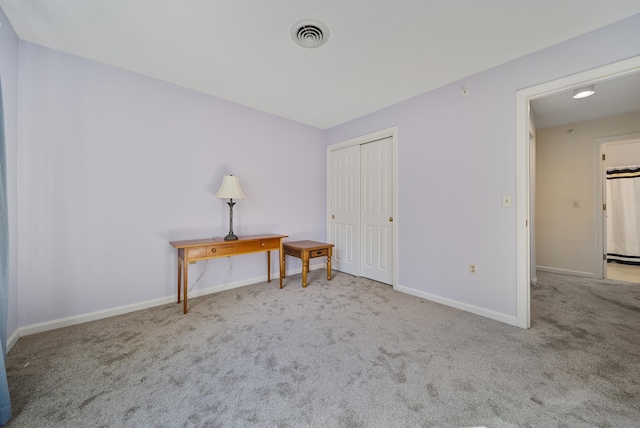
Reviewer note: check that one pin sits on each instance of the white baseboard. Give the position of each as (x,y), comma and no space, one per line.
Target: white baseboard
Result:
(507,319)
(566,271)
(13,339)
(106,313)
(92,316)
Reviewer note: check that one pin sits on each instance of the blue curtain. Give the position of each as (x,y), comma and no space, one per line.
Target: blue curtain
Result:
(5,401)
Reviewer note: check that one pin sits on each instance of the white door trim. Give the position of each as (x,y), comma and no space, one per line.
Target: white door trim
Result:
(374,136)
(523,187)
(601,173)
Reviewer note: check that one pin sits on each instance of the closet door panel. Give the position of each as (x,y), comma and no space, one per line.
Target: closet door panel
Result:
(345,209)
(377,212)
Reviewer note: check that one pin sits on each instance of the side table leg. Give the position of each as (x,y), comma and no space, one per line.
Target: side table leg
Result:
(329,264)
(305,268)
(284,266)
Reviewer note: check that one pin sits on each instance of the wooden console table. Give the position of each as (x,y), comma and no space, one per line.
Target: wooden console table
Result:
(201,249)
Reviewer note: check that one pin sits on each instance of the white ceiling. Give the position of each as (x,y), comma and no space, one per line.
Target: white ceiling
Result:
(379,52)
(613,97)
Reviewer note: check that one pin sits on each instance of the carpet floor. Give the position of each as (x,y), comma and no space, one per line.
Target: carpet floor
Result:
(349,352)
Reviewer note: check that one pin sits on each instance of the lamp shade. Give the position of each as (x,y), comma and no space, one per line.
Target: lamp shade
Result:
(230,188)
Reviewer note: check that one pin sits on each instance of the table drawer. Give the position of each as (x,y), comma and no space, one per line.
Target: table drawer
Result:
(319,253)
(197,253)
(242,247)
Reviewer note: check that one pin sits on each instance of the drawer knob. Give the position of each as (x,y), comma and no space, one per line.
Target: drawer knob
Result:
(262,244)
(213,250)
(318,252)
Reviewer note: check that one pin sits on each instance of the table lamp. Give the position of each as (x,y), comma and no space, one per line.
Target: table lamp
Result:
(230,189)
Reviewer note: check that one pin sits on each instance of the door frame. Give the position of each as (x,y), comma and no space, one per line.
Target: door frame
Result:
(358,141)
(523,184)
(601,191)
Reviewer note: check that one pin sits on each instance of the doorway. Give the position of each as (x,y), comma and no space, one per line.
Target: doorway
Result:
(620,177)
(523,168)
(362,205)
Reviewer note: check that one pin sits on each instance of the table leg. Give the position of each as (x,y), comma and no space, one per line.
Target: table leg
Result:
(283,267)
(185,284)
(281,262)
(329,264)
(268,266)
(305,267)
(180,255)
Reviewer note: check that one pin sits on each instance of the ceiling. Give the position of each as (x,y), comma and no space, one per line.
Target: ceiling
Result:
(379,52)
(613,97)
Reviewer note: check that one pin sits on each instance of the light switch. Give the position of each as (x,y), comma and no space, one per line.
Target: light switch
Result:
(506,201)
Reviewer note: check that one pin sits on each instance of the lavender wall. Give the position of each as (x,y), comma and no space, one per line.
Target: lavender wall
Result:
(457,156)
(9,78)
(114,165)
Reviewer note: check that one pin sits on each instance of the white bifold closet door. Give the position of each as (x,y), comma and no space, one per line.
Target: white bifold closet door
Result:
(345,209)
(361,208)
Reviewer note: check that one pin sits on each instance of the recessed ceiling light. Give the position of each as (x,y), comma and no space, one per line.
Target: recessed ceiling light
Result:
(585,92)
(309,33)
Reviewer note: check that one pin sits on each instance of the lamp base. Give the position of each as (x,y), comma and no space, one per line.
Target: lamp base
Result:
(231,237)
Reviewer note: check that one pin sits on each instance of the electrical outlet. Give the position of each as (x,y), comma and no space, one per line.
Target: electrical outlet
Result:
(473,269)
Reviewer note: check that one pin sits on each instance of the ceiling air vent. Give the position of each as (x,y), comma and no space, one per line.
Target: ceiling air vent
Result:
(309,33)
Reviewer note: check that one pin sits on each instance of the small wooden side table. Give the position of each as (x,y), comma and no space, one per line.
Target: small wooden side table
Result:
(306,250)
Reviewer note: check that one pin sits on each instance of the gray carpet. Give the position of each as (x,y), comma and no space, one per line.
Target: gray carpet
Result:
(343,353)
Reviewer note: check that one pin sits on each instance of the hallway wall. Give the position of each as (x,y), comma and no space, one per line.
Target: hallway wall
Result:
(568,171)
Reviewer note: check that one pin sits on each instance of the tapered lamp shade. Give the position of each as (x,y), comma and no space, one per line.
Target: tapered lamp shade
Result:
(230,188)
